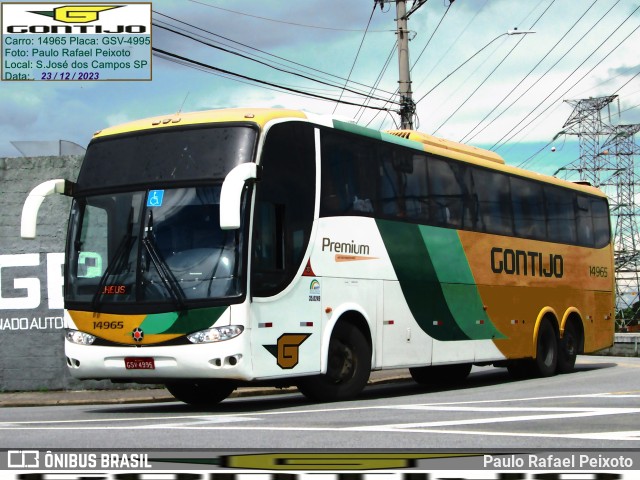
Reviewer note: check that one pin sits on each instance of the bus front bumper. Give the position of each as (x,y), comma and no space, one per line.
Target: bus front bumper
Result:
(156,364)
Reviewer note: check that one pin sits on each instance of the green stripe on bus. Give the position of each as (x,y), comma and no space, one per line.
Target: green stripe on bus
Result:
(458,285)
(185,322)
(418,280)
(436,281)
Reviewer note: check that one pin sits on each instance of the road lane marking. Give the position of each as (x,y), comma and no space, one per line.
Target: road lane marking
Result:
(577,413)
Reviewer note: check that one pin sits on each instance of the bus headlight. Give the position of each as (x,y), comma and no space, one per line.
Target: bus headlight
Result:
(216,334)
(80,338)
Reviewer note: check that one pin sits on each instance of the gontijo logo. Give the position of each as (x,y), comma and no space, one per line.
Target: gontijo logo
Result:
(76,13)
(42,18)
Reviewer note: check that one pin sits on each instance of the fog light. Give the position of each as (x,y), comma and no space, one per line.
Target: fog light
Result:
(216,334)
(80,338)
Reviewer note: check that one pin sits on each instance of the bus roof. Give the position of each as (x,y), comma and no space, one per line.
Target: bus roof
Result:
(259,116)
(432,144)
(411,138)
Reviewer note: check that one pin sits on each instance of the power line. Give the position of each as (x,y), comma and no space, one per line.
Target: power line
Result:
(501,143)
(355,59)
(432,34)
(521,82)
(259,61)
(281,21)
(361,111)
(460,66)
(452,44)
(208,32)
(256,80)
(492,71)
(626,83)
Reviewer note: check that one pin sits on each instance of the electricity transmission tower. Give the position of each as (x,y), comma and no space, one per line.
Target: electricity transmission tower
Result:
(621,145)
(586,122)
(610,165)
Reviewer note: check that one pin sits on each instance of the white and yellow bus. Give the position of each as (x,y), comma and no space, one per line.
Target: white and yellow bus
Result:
(212,249)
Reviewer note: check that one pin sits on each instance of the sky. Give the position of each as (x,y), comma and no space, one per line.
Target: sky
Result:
(472,82)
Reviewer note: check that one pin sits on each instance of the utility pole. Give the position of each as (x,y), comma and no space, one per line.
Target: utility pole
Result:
(407,106)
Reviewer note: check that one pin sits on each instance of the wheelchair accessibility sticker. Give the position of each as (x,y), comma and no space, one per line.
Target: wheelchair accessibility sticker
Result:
(155,198)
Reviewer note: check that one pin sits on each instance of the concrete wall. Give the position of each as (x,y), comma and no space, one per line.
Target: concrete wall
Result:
(626,345)
(31,335)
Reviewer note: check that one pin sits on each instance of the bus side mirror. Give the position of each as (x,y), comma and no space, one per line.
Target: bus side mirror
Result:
(35,199)
(231,194)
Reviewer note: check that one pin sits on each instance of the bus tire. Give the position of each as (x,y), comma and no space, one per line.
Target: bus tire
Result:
(568,348)
(546,360)
(348,367)
(441,374)
(201,393)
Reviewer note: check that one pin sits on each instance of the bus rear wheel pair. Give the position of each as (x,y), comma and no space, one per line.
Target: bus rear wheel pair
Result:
(553,355)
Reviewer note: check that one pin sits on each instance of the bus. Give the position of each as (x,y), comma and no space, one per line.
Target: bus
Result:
(216,249)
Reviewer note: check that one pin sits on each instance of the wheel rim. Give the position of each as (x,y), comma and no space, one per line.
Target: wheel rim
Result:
(342,362)
(570,345)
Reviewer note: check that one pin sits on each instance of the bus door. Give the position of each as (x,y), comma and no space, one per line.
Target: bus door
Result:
(285,315)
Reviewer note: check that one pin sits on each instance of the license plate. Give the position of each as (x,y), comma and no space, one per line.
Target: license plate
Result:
(139,363)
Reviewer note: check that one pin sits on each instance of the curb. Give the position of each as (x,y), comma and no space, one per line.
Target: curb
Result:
(134,396)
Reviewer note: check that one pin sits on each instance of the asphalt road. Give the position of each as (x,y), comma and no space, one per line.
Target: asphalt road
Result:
(597,406)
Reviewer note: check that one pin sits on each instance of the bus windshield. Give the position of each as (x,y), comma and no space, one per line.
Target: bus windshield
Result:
(145,228)
(162,246)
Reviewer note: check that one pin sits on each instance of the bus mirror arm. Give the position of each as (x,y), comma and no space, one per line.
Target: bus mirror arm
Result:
(231,194)
(34,201)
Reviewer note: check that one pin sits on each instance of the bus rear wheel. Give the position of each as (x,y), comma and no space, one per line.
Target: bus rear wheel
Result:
(569,345)
(547,356)
(441,374)
(546,360)
(348,367)
(201,393)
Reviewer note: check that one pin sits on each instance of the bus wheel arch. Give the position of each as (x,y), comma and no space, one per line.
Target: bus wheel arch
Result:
(348,361)
(572,341)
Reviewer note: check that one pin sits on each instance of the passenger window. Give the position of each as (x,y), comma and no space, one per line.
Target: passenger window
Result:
(404,191)
(494,202)
(601,226)
(561,219)
(349,175)
(527,202)
(584,220)
(450,199)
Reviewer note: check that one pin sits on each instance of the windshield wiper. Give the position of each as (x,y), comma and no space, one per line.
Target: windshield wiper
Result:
(166,275)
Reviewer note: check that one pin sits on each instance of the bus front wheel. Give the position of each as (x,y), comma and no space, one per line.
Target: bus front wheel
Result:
(201,393)
(348,367)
